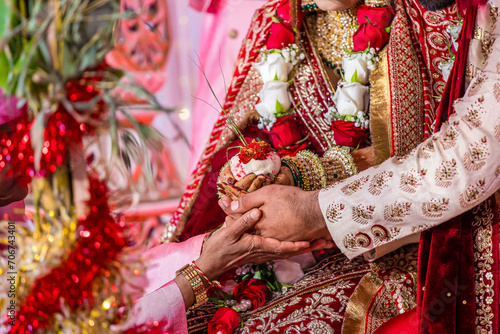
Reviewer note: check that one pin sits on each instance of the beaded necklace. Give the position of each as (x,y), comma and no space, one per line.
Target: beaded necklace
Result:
(331,32)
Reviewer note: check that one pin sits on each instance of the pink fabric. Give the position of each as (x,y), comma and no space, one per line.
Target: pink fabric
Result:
(218,52)
(8,112)
(161,298)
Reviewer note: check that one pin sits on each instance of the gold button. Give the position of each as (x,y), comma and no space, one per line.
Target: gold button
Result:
(233,33)
(448,294)
(464,302)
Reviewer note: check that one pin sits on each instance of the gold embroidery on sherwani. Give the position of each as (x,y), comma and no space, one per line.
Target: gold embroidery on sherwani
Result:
(426,149)
(353,242)
(445,173)
(397,211)
(381,234)
(410,181)
(449,138)
(362,214)
(334,212)
(470,197)
(435,207)
(483,258)
(379,182)
(354,186)
(476,157)
(474,113)
(496,90)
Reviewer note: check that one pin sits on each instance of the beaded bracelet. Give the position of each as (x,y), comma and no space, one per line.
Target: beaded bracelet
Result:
(194,279)
(202,274)
(315,165)
(345,157)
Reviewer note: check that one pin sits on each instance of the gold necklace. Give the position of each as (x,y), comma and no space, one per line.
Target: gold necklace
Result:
(331,33)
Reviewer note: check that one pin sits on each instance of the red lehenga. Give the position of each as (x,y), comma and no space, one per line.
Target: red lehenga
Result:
(337,294)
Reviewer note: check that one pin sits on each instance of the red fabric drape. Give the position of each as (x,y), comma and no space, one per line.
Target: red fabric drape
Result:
(446,281)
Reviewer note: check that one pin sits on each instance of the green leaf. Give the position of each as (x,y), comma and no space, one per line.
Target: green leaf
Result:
(279,107)
(276,77)
(4,70)
(354,77)
(275,19)
(5,18)
(388,30)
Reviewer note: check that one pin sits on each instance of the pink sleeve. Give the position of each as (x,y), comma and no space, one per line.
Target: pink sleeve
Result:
(161,299)
(8,108)
(164,305)
(164,260)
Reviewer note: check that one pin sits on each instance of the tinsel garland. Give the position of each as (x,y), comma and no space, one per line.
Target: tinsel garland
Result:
(99,243)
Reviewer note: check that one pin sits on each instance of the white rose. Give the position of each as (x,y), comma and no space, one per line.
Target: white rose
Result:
(355,64)
(273,92)
(275,66)
(350,98)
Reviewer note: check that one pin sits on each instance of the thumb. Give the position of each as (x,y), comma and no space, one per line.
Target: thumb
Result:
(244,223)
(247,202)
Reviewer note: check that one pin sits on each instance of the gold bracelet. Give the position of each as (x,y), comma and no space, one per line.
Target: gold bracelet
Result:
(194,279)
(319,175)
(344,156)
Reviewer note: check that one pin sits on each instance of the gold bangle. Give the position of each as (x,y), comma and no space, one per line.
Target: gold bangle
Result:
(194,279)
(316,166)
(344,156)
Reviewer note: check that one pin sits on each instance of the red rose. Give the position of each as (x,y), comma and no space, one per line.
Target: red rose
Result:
(371,35)
(346,134)
(225,320)
(254,290)
(377,15)
(285,132)
(281,33)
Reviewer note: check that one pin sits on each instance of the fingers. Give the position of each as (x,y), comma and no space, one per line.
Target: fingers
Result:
(244,223)
(321,244)
(233,192)
(285,177)
(257,183)
(247,202)
(270,245)
(246,181)
(226,175)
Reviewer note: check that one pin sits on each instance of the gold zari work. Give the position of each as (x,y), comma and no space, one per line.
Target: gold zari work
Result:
(331,33)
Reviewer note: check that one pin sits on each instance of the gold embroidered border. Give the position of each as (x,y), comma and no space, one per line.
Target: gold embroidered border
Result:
(359,303)
(380,109)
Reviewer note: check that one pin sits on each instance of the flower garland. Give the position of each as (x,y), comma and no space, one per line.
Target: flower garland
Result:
(352,95)
(279,58)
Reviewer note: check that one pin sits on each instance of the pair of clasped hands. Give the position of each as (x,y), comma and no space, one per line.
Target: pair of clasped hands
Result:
(268,218)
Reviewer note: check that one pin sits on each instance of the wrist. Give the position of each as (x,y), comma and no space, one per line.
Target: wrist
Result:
(316,216)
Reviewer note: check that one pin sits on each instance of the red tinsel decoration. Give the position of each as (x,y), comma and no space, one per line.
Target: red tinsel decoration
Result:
(98,245)
(62,131)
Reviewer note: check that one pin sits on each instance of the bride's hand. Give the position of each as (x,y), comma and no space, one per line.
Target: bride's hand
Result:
(251,182)
(231,246)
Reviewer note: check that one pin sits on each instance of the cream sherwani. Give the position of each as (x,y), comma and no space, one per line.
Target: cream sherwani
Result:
(448,174)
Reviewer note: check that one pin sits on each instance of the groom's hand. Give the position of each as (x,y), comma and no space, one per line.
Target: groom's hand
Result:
(288,213)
